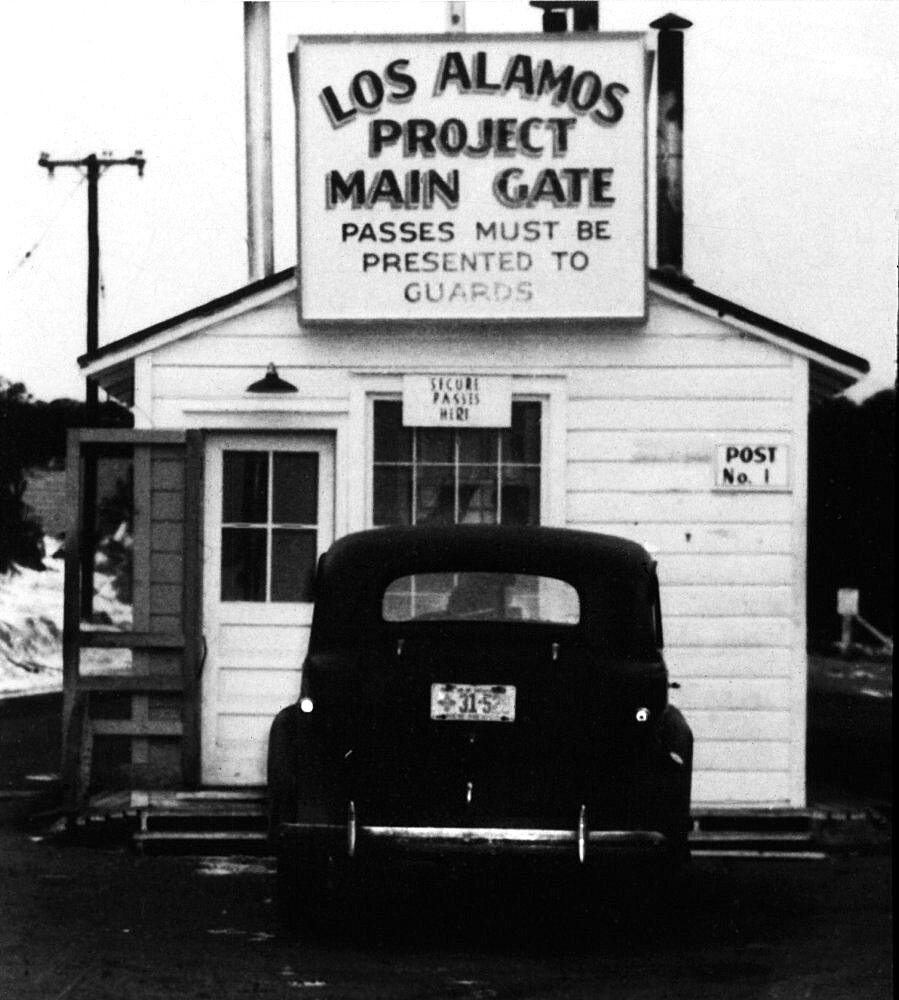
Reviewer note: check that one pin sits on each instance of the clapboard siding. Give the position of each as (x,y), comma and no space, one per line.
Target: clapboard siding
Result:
(638,445)
(664,540)
(171,624)
(703,630)
(766,694)
(590,508)
(728,600)
(725,661)
(277,318)
(180,381)
(738,724)
(644,410)
(258,691)
(752,568)
(545,350)
(732,755)
(755,383)
(681,414)
(165,598)
(167,567)
(167,536)
(167,473)
(751,787)
(167,505)
(629,477)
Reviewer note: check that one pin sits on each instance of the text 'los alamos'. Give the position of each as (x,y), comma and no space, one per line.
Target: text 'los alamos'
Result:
(581,91)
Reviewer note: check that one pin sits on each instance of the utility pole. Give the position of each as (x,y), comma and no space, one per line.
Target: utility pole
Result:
(93,165)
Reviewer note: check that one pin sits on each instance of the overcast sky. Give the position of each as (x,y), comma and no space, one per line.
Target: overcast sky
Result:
(791,162)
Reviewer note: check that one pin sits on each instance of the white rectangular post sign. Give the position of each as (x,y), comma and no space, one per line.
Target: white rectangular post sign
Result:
(741,465)
(491,177)
(457,400)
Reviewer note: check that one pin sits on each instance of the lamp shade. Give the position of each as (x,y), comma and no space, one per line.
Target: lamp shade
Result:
(272,382)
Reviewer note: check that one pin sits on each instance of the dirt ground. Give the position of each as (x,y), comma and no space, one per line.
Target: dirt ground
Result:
(95,923)
(79,923)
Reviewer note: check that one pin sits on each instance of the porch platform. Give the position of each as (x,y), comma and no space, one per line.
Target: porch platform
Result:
(234,821)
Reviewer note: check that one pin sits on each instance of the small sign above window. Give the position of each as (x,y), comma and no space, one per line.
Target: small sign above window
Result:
(748,466)
(457,399)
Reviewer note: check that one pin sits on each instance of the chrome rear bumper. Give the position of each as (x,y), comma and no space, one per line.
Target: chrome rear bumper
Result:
(365,841)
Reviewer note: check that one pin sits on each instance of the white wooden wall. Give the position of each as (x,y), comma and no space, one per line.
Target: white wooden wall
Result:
(644,409)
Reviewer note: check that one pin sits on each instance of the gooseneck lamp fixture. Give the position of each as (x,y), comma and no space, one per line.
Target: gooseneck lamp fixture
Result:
(272,382)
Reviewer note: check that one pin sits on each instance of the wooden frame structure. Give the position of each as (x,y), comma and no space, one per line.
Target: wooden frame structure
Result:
(138,729)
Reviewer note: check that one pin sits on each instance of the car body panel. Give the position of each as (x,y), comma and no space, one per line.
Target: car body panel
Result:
(596,761)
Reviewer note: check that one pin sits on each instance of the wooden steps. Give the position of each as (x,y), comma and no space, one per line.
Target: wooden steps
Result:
(204,822)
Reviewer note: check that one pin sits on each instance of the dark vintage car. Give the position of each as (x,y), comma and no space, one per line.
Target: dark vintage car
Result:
(478,691)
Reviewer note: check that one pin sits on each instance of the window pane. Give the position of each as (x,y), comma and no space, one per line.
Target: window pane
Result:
(520,503)
(477,445)
(435,445)
(107,600)
(295,487)
(393,442)
(521,443)
(473,596)
(435,501)
(456,472)
(477,494)
(393,495)
(293,564)
(245,487)
(417,597)
(243,564)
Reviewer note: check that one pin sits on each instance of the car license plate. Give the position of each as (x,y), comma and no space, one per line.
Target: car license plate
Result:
(473,702)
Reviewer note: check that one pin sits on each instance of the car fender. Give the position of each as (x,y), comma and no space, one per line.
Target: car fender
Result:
(660,790)
(298,785)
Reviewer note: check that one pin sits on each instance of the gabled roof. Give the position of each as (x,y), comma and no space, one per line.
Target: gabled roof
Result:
(725,308)
(833,369)
(207,309)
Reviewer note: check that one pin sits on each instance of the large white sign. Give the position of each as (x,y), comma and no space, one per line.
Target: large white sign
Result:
(458,399)
(472,178)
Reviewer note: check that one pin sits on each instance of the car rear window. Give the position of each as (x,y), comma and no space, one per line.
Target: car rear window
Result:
(481,596)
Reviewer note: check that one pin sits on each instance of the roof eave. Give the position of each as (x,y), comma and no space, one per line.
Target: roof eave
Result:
(236,301)
(850,365)
(844,368)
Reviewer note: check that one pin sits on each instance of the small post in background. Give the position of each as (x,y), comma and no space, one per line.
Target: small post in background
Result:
(847,609)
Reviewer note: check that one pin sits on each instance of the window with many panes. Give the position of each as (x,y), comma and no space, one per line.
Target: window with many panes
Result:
(437,475)
(269,525)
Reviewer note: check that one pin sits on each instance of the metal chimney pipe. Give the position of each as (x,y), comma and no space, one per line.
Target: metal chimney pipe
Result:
(258,109)
(585,15)
(670,143)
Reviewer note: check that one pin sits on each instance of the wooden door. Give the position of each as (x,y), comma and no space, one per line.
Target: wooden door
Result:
(269,514)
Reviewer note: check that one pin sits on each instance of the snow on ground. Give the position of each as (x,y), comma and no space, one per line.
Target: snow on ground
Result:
(31,604)
(31,627)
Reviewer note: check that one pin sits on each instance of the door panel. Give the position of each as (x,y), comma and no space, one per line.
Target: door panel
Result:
(269,512)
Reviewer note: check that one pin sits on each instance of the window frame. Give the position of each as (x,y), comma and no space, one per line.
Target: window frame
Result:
(269,525)
(544,478)
(565,590)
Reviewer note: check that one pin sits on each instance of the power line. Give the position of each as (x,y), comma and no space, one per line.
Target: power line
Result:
(93,166)
(30,253)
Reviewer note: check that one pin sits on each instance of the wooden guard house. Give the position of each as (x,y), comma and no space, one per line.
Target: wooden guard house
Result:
(262,433)
(628,436)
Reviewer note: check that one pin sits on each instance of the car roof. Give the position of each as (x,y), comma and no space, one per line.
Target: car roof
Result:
(613,576)
(408,549)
